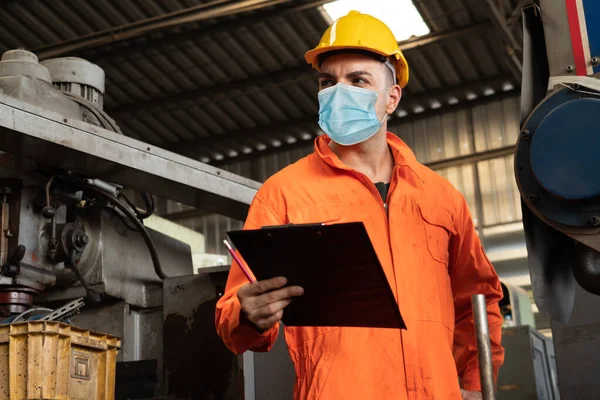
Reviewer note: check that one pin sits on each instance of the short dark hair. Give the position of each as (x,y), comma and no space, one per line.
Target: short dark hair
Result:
(389,81)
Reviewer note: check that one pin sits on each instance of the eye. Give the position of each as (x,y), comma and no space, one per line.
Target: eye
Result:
(326,83)
(360,81)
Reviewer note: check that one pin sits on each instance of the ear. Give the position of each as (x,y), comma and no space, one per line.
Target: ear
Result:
(393,99)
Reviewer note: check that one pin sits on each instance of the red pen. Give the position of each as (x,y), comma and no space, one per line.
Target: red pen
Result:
(238,261)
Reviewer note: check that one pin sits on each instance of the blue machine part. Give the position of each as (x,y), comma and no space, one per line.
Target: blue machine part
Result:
(592,24)
(558,159)
(565,150)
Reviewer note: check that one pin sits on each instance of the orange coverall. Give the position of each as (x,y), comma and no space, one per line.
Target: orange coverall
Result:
(432,258)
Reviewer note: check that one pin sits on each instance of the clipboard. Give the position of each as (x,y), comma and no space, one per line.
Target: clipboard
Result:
(343,280)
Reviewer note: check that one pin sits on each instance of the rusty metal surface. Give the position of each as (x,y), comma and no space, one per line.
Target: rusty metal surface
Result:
(15,299)
(197,365)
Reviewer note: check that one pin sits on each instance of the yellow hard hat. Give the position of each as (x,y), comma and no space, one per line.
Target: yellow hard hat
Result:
(361,32)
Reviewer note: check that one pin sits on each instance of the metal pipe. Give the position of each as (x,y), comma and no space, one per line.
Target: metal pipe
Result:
(484,348)
(197,13)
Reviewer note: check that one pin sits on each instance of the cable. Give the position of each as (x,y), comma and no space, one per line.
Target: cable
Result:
(123,218)
(132,217)
(24,313)
(148,202)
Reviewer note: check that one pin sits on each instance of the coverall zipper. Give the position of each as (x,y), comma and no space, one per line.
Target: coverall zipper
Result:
(374,190)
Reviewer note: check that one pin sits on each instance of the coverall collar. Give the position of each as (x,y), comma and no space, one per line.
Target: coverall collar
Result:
(403,155)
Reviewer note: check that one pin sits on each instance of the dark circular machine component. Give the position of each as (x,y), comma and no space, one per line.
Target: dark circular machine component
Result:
(15,299)
(71,238)
(48,212)
(556,162)
(565,151)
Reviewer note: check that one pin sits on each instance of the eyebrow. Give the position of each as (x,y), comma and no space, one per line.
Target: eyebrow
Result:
(325,75)
(357,74)
(349,75)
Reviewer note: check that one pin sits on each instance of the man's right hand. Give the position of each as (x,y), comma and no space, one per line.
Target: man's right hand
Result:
(263,301)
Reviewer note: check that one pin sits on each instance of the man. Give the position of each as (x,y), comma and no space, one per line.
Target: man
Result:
(419,225)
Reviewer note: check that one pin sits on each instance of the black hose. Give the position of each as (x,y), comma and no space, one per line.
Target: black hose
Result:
(132,217)
(121,217)
(148,202)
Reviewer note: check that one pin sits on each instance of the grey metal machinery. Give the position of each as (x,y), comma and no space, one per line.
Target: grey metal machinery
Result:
(69,233)
(556,169)
(529,369)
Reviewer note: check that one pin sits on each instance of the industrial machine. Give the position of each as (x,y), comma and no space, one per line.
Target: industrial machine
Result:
(74,247)
(556,169)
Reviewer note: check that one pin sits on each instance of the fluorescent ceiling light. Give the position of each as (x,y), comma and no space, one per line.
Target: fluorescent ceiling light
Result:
(400,16)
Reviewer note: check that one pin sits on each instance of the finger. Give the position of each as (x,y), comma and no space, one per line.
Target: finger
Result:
(277,295)
(269,310)
(267,285)
(265,324)
(259,287)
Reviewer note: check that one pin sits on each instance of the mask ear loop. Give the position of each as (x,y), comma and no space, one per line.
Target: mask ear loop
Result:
(391,67)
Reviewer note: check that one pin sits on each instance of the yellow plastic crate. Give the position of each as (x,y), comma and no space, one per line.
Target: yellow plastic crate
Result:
(55,361)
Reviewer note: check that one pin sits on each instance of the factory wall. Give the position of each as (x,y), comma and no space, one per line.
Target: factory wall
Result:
(488,185)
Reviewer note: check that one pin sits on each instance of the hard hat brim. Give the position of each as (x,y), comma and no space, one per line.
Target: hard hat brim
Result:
(312,57)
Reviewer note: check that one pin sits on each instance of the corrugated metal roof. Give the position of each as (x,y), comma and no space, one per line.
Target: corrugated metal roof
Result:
(232,86)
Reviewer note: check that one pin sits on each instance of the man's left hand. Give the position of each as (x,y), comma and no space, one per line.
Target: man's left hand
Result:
(467,395)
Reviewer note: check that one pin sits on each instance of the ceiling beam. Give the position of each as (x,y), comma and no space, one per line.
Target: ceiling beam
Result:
(162,102)
(412,104)
(460,92)
(290,126)
(199,13)
(513,47)
(185,215)
(515,16)
(438,37)
(165,103)
(129,48)
(472,158)
(393,125)
(300,144)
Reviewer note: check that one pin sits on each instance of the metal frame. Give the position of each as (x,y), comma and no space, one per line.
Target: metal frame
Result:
(48,138)
(513,47)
